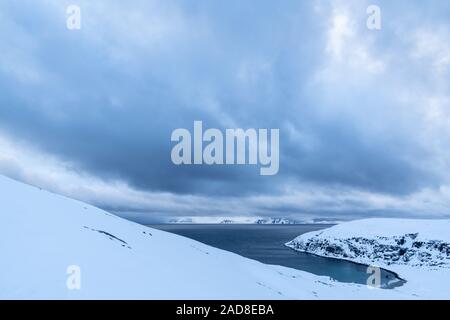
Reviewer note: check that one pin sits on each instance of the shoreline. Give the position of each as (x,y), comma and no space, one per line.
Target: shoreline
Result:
(397,276)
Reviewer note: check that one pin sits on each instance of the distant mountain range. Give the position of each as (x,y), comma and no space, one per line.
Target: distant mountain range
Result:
(248,220)
(275,221)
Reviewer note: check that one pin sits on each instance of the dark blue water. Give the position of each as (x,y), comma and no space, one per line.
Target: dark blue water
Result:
(265,243)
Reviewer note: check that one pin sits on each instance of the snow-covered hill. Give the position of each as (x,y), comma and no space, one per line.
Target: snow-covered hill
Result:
(43,235)
(417,250)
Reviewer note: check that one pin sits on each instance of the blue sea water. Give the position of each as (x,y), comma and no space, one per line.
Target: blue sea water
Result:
(265,243)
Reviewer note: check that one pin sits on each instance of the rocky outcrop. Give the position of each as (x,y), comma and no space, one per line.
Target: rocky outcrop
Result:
(407,249)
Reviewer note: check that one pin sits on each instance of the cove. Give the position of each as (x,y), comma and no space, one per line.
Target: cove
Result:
(265,243)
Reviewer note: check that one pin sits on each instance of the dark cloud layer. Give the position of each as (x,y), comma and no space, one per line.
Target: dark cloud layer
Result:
(107,97)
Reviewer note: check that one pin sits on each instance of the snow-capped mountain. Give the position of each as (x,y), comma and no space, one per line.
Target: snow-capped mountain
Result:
(231,220)
(249,220)
(417,250)
(275,221)
(45,239)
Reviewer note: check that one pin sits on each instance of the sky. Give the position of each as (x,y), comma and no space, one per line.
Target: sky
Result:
(364,115)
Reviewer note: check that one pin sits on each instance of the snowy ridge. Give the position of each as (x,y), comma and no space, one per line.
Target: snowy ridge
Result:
(42,234)
(248,220)
(275,221)
(417,250)
(231,220)
(405,242)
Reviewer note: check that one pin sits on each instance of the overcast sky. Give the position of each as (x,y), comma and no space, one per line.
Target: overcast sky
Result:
(364,115)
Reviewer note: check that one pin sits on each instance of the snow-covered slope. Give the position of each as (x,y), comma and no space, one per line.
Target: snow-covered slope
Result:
(417,250)
(42,234)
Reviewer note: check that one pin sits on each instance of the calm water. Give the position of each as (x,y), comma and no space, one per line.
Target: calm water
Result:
(265,243)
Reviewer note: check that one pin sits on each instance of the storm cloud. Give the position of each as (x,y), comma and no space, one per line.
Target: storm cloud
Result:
(362,114)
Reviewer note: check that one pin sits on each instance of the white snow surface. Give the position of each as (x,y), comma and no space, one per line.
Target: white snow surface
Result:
(42,234)
(417,250)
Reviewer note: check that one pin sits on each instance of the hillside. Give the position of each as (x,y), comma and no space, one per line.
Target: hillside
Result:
(43,234)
